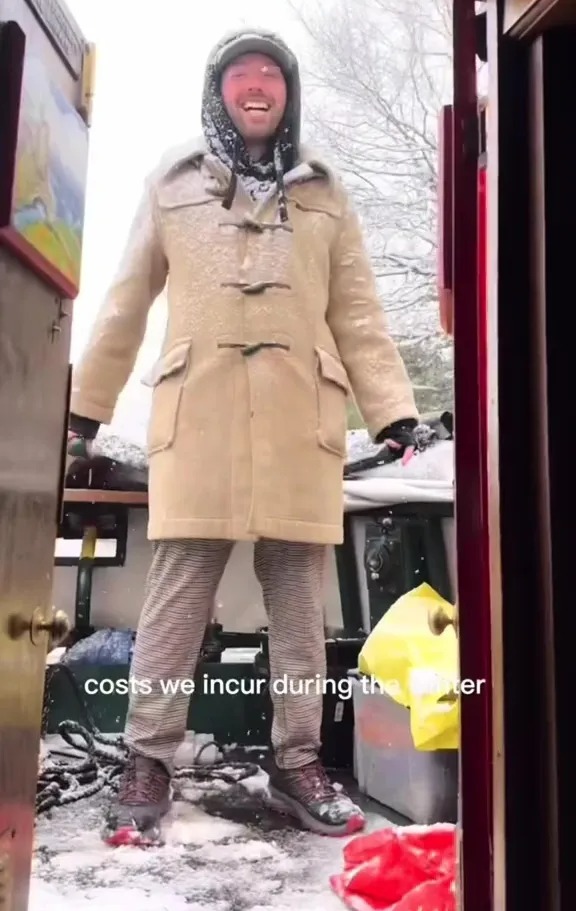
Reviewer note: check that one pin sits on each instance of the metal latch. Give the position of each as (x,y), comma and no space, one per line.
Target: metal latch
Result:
(56,327)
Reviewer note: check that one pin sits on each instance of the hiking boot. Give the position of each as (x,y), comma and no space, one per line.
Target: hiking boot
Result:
(308,794)
(143,799)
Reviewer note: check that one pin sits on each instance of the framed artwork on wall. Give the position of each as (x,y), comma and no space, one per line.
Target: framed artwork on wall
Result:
(43,166)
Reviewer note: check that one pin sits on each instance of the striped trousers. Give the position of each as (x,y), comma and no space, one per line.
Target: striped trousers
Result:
(180,592)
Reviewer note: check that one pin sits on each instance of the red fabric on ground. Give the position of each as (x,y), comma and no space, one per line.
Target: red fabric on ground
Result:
(404,869)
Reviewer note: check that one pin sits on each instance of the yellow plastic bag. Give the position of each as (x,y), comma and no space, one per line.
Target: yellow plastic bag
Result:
(417,669)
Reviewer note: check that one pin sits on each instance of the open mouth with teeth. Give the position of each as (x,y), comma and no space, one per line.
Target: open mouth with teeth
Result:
(258,106)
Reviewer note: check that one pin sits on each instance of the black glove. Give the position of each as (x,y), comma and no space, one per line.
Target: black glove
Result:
(81,435)
(398,437)
(83,427)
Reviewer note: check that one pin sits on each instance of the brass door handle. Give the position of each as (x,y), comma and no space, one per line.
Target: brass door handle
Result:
(57,626)
(439,620)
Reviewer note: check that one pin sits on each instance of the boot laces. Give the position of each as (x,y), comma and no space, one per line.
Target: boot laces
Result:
(313,783)
(144,782)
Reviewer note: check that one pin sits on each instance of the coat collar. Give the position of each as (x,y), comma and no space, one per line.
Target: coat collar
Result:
(194,152)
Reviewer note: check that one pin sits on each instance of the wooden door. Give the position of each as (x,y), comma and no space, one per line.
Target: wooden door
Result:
(33,406)
(34,388)
(525,18)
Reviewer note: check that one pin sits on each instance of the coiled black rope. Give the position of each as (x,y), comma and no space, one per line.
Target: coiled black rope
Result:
(63,780)
(100,759)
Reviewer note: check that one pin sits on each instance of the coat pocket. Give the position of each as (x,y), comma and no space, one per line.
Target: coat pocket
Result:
(333,388)
(167,379)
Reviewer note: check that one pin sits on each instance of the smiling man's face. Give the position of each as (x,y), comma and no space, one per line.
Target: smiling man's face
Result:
(254,92)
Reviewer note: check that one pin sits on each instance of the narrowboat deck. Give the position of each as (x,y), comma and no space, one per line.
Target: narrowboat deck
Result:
(225,851)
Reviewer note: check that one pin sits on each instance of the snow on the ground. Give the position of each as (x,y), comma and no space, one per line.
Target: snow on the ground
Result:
(225,850)
(207,863)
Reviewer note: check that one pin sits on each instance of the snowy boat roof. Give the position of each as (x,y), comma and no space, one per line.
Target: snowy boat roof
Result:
(427,478)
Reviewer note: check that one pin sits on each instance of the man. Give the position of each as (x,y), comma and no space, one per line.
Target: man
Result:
(273,317)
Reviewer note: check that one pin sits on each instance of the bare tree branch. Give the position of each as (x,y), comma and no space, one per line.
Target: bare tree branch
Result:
(380,72)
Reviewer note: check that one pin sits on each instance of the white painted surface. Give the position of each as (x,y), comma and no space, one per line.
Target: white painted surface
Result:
(118,591)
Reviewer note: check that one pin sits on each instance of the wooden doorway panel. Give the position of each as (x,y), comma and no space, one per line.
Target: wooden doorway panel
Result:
(33,389)
(34,373)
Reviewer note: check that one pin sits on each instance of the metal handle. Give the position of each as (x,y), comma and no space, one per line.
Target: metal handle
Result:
(439,620)
(57,626)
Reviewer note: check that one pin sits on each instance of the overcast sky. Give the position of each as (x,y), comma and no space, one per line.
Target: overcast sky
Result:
(150,67)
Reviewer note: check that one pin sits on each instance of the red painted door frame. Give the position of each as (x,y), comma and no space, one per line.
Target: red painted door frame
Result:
(470,377)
